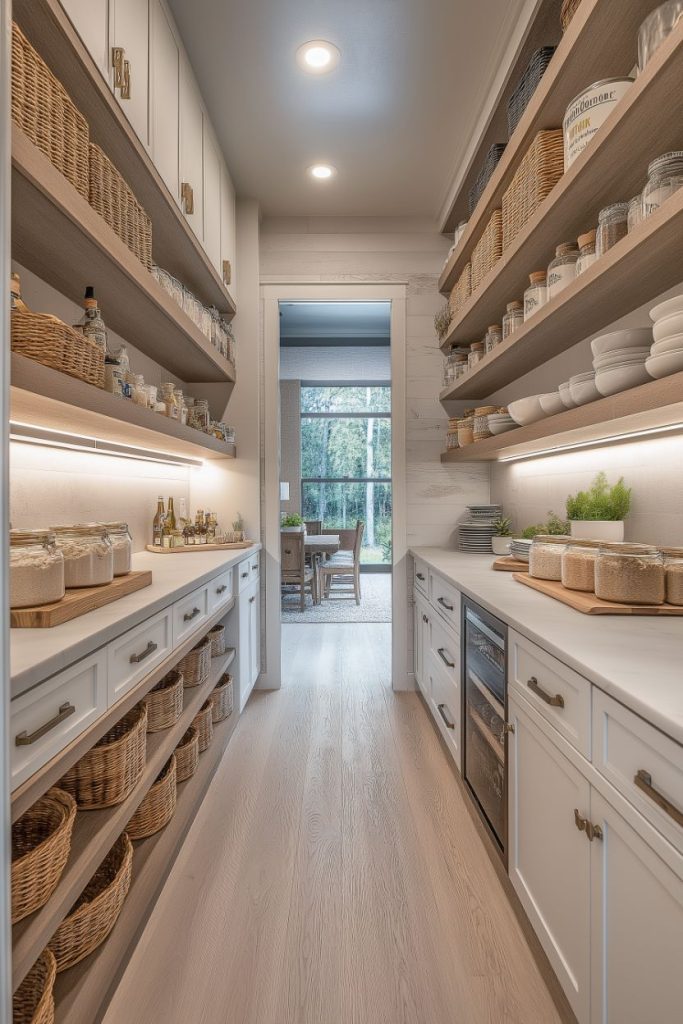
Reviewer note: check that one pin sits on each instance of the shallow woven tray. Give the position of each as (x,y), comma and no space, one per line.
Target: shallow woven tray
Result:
(41,840)
(203,723)
(488,249)
(47,340)
(217,637)
(187,755)
(196,664)
(541,168)
(112,198)
(33,1002)
(222,696)
(97,909)
(158,807)
(164,702)
(111,769)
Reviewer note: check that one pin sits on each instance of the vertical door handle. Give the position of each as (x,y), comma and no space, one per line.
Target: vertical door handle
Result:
(125,86)
(227,272)
(187,196)
(117,65)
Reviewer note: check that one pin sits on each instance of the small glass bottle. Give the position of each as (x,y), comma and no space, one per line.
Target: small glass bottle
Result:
(562,269)
(536,294)
(158,522)
(16,301)
(92,325)
(664,178)
(612,227)
(513,318)
(170,515)
(587,254)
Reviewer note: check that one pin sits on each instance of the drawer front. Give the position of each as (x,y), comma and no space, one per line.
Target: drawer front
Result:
(255,566)
(244,575)
(642,763)
(132,656)
(220,591)
(446,707)
(445,650)
(445,599)
(189,613)
(42,720)
(421,577)
(559,694)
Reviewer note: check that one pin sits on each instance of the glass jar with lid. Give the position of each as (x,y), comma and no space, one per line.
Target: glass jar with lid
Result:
(673,569)
(493,337)
(201,418)
(536,294)
(513,318)
(635,213)
(545,556)
(562,269)
(612,227)
(630,574)
(182,406)
(88,554)
(168,397)
(140,394)
(587,255)
(578,565)
(476,354)
(664,178)
(122,545)
(36,569)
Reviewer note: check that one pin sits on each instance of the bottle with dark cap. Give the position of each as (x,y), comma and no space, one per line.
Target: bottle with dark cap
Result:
(92,324)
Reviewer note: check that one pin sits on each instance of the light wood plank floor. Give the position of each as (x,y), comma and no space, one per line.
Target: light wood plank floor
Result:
(334,874)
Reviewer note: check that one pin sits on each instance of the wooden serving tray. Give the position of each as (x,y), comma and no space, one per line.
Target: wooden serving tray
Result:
(184,548)
(79,601)
(507,563)
(589,604)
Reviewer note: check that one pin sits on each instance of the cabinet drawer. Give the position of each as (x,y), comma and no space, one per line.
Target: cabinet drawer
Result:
(131,656)
(446,599)
(189,613)
(420,577)
(255,566)
(558,693)
(642,763)
(445,650)
(244,575)
(220,591)
(445,701)
(44,720)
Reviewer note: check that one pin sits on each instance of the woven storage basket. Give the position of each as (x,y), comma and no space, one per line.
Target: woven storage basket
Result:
(164,702)
(223,697)
(112,768)
(521,96)
(33,1002)
(452,440)
(45,113)
(203,723)
(196,664)
(569,9)
(41,840)
(187,755)
(111,197)
(217,637)
(462,290)
(46,339)
(158,807)
(541,168)
(490,163)
(96,911)
(488,249)
(481,421)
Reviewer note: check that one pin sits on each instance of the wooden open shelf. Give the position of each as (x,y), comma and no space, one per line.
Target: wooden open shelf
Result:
(656,404)
(175,246)
(600,42)
(44,397)
(95,832)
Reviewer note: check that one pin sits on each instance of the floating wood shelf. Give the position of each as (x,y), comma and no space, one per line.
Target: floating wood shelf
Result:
(650,406)
(46,398)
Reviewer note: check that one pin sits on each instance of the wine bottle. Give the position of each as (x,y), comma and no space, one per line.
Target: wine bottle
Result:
(158,523)
(170,515)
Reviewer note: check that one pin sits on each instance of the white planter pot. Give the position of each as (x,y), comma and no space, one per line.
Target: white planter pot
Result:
(500,545)
(292,529)
(611,531)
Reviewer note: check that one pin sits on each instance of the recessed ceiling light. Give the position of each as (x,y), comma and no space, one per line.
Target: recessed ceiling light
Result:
(322,172)
(317,56)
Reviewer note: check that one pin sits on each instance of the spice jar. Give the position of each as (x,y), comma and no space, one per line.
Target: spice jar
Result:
(476,354)
(494,336)
(562,269)
(664,178)
(140,395)
(88,555)
(612,227)
(168,397)
(113,378)
(630,574)
(545,556)
(673,569)
(587,255)
(513,318)
(122,545)
(36,569)
(536,294)
(578,565)
(201,418)
(635,213)
(182,407)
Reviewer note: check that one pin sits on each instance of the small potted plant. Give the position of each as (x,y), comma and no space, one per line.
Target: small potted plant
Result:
(553,527)
(500,542)
(292,523)
(599,512)
(238,529)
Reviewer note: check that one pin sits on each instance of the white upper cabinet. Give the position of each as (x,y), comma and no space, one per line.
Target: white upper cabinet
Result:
(191,151)
(165,98)
(212,197)
(91,20)
(228,243)
(129,22)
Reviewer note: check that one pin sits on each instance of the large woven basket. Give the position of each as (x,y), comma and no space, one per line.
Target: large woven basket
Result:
(158,807)
(111,197)
(569,9)
(217,637)
(33,1002)
(521,96)
(97,909)
(491,161)
(47,340)
(164,702)
(187,755)
(462,290)
(41,840)
(541,168)
(222,696)
(203,723)
(481,421)
(45,113)
(111,769)
(488,249)
(196,664)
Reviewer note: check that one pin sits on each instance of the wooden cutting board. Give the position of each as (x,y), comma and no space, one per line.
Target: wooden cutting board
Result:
(589,604)
(507,563)
(79,602)
(184,548)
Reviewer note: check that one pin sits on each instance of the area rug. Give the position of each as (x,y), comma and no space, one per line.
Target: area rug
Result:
(375,605)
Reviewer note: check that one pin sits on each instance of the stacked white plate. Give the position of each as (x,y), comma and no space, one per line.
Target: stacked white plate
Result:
(582,388)
(619,359)
(475,534)
(499,422)
(520,548)
(526,410)
(667,351)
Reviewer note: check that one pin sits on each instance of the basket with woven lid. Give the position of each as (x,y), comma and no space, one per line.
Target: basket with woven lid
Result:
(111,769)
(48,340)
(158,806)
(41,840)
(33,1002)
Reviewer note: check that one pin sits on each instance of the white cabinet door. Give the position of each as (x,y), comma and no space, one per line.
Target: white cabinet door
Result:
(91,20)
(249,639)
(130,30)
(255,633)
(548,857)
(164,97)
(228,242)
(212,197)
(191,151)
(422,644)
(637,927)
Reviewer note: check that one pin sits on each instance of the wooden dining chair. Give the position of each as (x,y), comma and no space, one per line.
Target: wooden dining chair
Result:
(293,569)
(341,574)
(314,527)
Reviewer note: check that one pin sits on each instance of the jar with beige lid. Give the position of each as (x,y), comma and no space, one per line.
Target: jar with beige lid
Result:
(536,294)
(493,337)
(513,318)
(673,569)
(578,565)
(88,554)
(476,353)
(545,556)
(36,569)
(587,254)
(562,269)
(630,574)
(122,546)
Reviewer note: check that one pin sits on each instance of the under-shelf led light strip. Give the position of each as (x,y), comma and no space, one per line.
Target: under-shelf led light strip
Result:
(27,433)
(635,435)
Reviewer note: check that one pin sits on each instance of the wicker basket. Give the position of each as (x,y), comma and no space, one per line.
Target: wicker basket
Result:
(462,290)
(196,664)
(41,840)
(165,702)
(187,755)
(217,637)
(111,197)
(490,163)
(33,1002)
(569,9)
(158,807)
(540,170)
(46,339)
(203,723)
(488,249)
(111,770)
(521,96)
(481,421)
(43,110)
(97,909)
(223,698)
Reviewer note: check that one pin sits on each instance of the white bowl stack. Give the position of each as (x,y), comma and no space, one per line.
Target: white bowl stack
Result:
(476,532)
(499,422)
(520,548)
(666,354)
(582,388)
(619,360)
(526,410)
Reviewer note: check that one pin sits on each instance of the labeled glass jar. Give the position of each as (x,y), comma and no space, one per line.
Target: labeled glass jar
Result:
(122,546)
(630,574)
(36,569)
(476,354)
(562,269)
(664,178)
(635,212)
(513,318)
(201,418)
(587,254)
(88,554)
(536,294)
(545,556)
(494,336)
(578,565)
(612,227)
(113,378)
(673,569)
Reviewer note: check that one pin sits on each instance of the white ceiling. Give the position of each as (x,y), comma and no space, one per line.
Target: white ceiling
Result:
(394,118)
(343,321)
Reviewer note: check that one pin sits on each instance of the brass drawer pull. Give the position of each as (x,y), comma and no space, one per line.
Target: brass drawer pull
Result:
(447,721)
(448,607)
(149,649)
(189,616)
(643,781)
(125,87)
(117,65)
(442,655)
(221,590)
(556,701)
(420,576)
(187,196)
(584,825)
(24,739)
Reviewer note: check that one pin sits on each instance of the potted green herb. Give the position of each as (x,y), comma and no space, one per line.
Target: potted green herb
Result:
(500,542)
(291,523)
(554,527)
(599,512)
(238,529)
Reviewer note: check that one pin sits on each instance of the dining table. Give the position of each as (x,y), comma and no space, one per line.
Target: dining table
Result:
(317,546)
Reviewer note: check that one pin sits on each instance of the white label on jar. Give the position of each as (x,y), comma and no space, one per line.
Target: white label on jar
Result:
(559,278)
(586,115)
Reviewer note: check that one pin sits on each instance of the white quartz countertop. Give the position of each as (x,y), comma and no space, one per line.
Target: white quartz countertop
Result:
(638,660)
(36,654)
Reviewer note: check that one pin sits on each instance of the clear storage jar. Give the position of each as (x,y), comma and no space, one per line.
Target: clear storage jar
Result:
(36,569)
(587,254)
(545,556)
(122,546)
(140,393)
(182,405)
(88,555)
(578,565)
(494,336)
(168,397)
(476,354)
(673,569)
(201,418)
(612,227)
(630,574)
(635,212)
(536,294)
(664,178)
(562,269)
(513,318)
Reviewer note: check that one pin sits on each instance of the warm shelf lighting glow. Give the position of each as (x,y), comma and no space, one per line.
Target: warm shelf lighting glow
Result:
(317,57)
(27,433)
(322,172)
(572,446)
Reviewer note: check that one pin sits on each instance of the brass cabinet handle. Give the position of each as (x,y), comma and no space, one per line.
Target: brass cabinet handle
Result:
(187,196)
(24,739)
(221,590)
(579,821)
(125,88)
(584,825)
(447,721)
(508,727)
(442,655)
(420,576)
(227,272)
(117,53)
(149,649)
(448,607)
(189,616)
(643,781)
(556,701)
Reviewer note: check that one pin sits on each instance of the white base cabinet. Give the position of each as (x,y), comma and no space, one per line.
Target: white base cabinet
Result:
(249,638)
(422,644)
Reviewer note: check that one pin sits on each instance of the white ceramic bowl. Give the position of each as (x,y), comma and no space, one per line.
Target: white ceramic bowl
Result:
(583,391)
(668,327)
(637,337)
(565,395)
(664,364)
(668,308)
(501,426)
(673,344)
(630,355)
(620,378)
(526,410)
(552,403)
